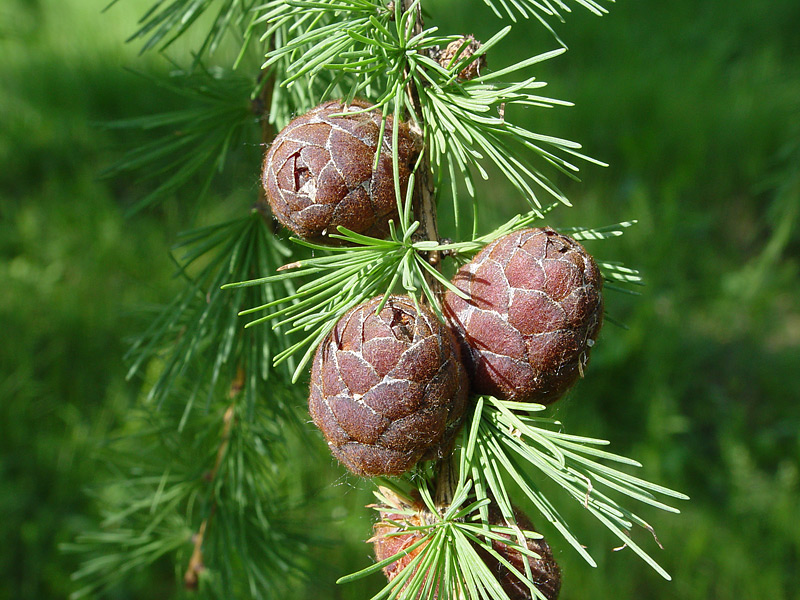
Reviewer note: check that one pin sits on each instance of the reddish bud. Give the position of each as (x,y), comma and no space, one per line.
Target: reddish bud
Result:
(392,535)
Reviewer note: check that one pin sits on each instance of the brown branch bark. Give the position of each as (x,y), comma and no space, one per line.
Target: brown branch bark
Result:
(425,213)
(424,208)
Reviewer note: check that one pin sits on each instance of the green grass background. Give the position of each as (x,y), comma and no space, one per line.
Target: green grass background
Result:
(696,106)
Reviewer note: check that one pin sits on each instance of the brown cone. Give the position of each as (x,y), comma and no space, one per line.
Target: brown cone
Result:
(386,544)
(392,538)
(545,572)
(534,312)
(389,389)
(318,175)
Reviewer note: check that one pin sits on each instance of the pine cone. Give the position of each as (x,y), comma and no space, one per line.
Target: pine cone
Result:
(391,538)
(545,572)
(534,312)
(318,173)
(386,544)
(469,46)
(389,389)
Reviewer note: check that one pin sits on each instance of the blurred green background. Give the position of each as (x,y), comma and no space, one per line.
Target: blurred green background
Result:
(696,106)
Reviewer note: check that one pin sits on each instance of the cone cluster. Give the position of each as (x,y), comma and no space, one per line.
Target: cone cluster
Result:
(390,383)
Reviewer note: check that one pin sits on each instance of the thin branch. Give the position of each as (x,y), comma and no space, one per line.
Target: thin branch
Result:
(424,209)
(446,481)
(425,213)
(192,575)
(196,566)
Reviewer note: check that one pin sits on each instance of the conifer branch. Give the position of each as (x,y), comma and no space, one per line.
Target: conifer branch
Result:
(196,565)
(195,142)
(382,52)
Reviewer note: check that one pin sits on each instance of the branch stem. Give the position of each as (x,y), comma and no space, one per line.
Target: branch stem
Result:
(425,212)
(425,207)
(196,566)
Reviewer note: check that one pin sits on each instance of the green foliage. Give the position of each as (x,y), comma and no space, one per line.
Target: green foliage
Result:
(162,25)
(196,140)
(542,10)
(466,127)
(503,445)
(197,338)
(221,483)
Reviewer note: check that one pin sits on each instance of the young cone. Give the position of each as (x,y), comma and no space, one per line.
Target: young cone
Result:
(318,173)
(545,572)
(394,534)
(386,543)
(388,389)
(534,312)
